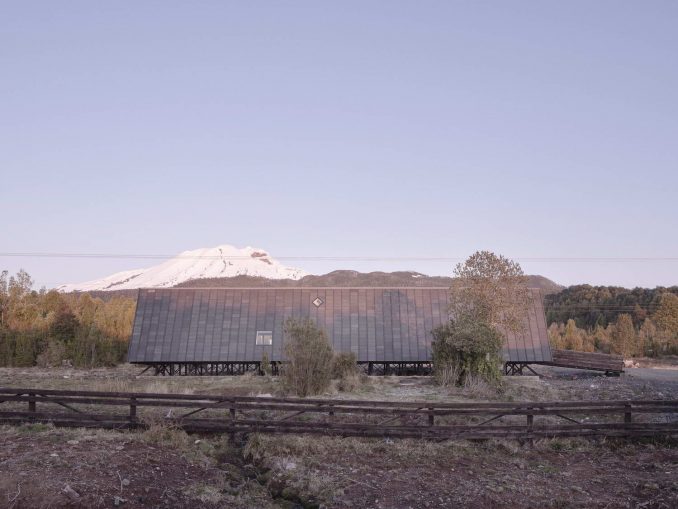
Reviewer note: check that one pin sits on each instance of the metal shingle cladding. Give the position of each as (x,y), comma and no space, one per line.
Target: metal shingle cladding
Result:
(378,324)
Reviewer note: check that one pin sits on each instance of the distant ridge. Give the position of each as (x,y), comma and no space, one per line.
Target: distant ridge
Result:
(227,266)
(337,278)
(346,278)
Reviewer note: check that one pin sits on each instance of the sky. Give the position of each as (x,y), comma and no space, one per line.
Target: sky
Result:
(544,130)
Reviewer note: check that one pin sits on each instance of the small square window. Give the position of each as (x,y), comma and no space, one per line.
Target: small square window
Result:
(317,302)
(264,337)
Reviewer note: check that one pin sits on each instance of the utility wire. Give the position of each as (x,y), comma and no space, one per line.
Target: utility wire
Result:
(594,259)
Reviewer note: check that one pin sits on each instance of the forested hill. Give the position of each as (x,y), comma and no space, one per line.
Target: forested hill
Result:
(599,305)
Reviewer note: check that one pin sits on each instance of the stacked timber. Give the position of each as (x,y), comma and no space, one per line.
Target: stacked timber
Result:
(586,360)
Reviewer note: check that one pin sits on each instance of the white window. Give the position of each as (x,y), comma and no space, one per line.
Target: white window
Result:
(264,337)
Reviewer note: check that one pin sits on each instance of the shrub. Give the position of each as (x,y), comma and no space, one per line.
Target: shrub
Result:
(344,364)
(307,368)
(446,373)
(350,383)
(466,347)
(265,365)
(53,354)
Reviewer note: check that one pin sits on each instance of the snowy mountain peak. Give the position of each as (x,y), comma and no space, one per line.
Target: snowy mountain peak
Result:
(220,261)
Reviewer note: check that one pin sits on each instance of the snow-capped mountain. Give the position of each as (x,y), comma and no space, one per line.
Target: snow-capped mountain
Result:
(220,261)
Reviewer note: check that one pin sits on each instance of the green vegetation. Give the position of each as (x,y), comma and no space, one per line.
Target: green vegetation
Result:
(49,328)
(345,371)
(464,348)
(489,295)
(595,325)
(265,365)
(307,369)
(311,364)
(344,364)
(592,306)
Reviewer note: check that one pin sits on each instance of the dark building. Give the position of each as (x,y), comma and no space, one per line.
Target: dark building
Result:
(226,330)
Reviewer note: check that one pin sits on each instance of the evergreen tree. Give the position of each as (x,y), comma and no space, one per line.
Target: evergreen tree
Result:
(65,325)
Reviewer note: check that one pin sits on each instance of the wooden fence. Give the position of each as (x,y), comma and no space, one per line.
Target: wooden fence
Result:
(422,419)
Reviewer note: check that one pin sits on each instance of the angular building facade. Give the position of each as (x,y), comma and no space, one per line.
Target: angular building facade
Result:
(227,330)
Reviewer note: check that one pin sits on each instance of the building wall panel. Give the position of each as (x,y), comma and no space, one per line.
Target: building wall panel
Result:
(378,324)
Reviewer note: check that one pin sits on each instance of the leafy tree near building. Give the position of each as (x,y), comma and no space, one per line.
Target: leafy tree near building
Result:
(488,298)
(466,347)
(492,289)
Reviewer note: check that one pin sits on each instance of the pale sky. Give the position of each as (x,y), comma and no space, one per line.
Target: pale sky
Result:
(358,129)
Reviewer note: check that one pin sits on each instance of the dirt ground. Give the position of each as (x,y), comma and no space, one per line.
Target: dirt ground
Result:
(41,466)
(407,474)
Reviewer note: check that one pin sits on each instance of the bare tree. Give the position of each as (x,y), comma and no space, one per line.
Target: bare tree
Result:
(491,288)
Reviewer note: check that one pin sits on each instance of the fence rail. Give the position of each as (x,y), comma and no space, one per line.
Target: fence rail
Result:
(420,419)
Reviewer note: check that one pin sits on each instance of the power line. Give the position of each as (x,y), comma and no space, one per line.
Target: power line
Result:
(560,259)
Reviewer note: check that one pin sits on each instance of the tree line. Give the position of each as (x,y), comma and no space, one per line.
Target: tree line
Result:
(593,306)
(607,319)
(49,328)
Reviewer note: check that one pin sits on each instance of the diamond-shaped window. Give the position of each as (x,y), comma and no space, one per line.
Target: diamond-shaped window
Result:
(317,302)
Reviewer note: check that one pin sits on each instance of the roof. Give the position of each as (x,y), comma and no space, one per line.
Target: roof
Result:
(378,324)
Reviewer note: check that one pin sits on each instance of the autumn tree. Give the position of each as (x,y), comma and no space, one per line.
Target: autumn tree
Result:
(647,337)
(573,337)
(623,338)
(492,289)
(48,327)
(4,296)
(601,338)
(666,316)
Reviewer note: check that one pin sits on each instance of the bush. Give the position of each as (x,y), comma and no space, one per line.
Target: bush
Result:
(307,369)
(53,354)
(265,365)
(466,347)
(345,370)
(344,364)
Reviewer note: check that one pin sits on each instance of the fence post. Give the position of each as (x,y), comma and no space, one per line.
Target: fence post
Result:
(530,421)
(431,417)
(232,412)
(31,402)
(628,418)
(132,411)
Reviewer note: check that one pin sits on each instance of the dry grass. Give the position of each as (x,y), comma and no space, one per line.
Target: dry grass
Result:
(126,378)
